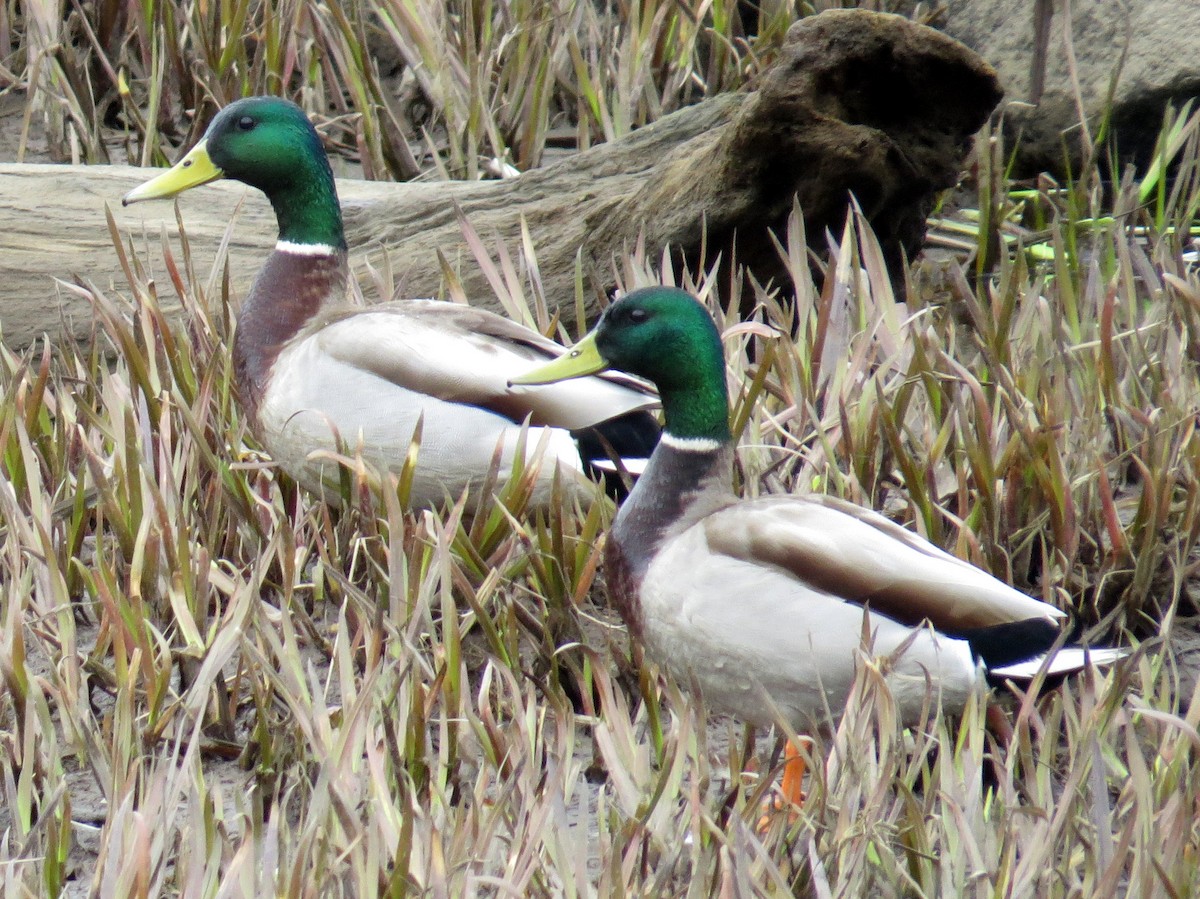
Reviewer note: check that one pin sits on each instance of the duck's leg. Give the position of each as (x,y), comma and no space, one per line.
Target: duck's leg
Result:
(791,788)
(997,722)
(794,768)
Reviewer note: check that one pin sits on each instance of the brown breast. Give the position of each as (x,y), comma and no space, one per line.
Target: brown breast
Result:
(290,292)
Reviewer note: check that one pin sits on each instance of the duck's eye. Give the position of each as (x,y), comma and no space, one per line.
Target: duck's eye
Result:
(245,123)
(637,316)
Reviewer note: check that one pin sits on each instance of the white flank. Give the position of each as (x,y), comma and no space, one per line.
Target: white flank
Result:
(690,444)
(1066,660)
(305,249)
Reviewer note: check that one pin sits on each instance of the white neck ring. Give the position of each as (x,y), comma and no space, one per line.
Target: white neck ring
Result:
(304,249)
(690,444)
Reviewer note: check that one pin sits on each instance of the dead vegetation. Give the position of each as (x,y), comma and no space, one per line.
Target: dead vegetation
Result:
(213,686)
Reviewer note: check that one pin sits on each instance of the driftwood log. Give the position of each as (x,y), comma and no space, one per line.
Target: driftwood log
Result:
(860,103)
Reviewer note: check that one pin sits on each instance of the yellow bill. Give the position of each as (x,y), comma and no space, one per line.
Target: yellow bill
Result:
(193,170)
(580,360)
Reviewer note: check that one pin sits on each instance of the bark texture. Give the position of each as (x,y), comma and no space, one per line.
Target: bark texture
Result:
(859,102)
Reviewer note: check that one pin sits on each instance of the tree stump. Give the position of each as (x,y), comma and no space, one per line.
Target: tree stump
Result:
(859,103)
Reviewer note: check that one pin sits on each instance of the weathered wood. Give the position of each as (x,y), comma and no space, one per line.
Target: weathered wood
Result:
(859,102)
(55,225)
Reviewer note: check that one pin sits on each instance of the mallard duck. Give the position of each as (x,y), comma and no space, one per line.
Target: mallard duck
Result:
(762,602)
(318,377)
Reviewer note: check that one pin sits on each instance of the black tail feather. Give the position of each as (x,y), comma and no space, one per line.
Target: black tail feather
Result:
(1011,642)
(1017,651)
(630,436)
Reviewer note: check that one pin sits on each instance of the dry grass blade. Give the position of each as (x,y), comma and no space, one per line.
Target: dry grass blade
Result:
(213,685)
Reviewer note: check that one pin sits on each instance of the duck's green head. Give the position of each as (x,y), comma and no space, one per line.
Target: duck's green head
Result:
(267,143)
(666,336)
